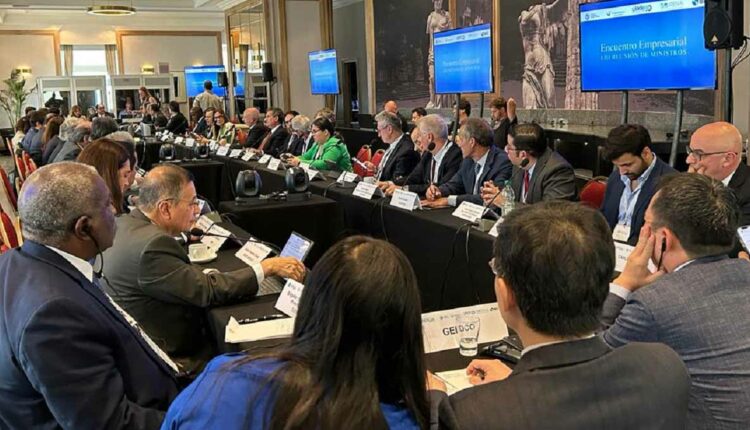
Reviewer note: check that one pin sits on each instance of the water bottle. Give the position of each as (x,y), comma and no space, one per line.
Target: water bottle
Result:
(509,199)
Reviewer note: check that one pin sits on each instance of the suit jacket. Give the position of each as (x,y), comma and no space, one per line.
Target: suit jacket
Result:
(419,179)
(277,142)
(553,179)
(401,162)
(740,183)
(294,145)
(497,168)
(68,152)
(68,358)
(581,384)
(700,312)
(50,148)
(149,274)
(255,135)
(502,130)
(105,115)
(177,124)
(611,203)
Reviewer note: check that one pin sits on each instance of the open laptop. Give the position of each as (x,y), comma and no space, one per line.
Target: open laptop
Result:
(298,247)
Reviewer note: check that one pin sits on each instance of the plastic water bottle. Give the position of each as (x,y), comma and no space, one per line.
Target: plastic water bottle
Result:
(509,199)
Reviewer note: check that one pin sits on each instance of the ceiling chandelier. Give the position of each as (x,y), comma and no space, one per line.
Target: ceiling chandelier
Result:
(111,10)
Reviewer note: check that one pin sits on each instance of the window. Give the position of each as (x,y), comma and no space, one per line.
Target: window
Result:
(89,60)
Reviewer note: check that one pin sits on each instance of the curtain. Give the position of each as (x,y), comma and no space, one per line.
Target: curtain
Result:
(67,51)
(110,53)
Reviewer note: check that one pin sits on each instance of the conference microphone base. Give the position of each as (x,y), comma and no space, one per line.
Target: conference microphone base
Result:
(485,225)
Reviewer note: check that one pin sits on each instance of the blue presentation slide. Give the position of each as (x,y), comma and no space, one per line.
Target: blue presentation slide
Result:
(239,83)
(195,76)
(644,45)
(324,72)
(463,60)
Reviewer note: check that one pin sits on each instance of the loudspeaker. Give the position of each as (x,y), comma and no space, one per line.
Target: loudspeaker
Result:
(723,24)
(268,72)
(221,78)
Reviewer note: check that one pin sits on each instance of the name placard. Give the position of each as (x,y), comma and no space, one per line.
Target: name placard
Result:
(289,298)
(265,159)
(235,153)
(179,139)
(622,252)
(223,151)
(441,330)
(469,211)
(165,137)
(252,252)
(366,191)
(274,164)
(347,177)
(248,155)
(190,142)
(405,200)
(215,242)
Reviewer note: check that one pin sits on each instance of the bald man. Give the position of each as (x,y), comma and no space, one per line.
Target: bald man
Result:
(715,150)
(392,107)
(257,130)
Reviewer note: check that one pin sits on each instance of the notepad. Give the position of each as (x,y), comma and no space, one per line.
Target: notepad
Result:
(262,330)
(455,380)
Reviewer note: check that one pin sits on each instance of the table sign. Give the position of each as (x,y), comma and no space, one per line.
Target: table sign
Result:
(165,137)
(214,242)
(190,142)
(265,159)
(252,252)
(622,252)
(347,177)
(289,298)
(223,151)
(248,155)
(274,164)
(469,211)
(441,333)
(272,329)
(405,200)
(178,139)
(367,191)
(235,153)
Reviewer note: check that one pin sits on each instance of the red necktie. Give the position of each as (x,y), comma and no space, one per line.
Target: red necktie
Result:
(525,184)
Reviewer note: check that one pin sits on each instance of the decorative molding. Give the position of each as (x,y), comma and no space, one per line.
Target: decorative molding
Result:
(55,42)
(283,68)
(119,34)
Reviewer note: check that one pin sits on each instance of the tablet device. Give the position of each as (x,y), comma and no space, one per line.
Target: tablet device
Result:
(297,246)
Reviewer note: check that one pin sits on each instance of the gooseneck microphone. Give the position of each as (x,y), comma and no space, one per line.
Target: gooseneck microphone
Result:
(197,232)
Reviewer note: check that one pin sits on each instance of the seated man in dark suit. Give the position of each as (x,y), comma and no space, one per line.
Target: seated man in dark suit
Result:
(539,173)
(275,140)
(300,137)
(177,123)
(400,158)
(440,162)
(482,162)
(155,116)
(504,118)
(69,358)
(633,181)
(149,273)
(696,302)
(77,140)
(257,131)
(101,112)
(567,378)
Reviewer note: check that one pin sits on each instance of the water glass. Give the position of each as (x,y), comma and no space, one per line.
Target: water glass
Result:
(467,327)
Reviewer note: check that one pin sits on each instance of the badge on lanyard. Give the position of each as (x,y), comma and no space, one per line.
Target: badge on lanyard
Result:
(621,233)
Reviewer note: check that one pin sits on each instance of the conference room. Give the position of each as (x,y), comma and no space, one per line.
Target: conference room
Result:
(445,214)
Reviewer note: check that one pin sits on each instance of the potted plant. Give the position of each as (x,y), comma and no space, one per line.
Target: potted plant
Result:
(13,97)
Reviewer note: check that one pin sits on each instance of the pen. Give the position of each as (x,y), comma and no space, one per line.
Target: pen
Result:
(259,319)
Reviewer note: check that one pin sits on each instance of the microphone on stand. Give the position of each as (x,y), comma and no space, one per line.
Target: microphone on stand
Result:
(197,232)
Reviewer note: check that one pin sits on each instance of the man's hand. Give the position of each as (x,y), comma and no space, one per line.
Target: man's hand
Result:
(511,104)
(390,189)
(484,371)
(490,192)
(636,274)
(294,161)
(433,192)
(701,170)
(433,383)
(285,267)
(370,167)
(440,202)
(744,255)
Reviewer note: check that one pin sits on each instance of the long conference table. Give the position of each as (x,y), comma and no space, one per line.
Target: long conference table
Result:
(449,256)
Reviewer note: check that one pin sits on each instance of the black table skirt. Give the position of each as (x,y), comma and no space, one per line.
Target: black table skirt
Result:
(207,174)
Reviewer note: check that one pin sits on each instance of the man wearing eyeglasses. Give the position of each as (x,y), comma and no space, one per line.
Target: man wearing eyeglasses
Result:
(715,150)
(148,273)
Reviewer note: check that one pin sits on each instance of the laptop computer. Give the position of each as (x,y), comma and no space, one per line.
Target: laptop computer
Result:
(296,246)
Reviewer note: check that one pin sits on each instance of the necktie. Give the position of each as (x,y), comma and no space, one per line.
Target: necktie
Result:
(477,171)
(525,184)
(432,171)
(264,142)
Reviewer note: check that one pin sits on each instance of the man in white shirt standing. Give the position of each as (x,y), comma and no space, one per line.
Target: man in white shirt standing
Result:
(207,99)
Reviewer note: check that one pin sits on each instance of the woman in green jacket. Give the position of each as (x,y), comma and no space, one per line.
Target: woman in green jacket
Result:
(327,147)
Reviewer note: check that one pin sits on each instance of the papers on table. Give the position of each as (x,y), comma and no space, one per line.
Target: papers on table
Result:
(455,380)
(262,330)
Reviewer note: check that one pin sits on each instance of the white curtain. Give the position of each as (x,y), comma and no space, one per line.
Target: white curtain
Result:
(110,53)
(67,51)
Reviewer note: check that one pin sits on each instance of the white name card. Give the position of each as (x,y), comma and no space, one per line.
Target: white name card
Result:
(214,242)
(165,137)
(204,223)
(248,155)
(274,164)
(265,159)
(469,211)
(190,142)
(347,177)
(272,329)
(441,333)
(289,298)
(405,200)
(312,174)
(252,252)
(622,252)
(366,191)
(223,151)
(179,139)
(235,153)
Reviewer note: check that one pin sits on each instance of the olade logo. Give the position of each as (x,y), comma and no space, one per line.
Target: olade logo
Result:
(642,8)
(447,331)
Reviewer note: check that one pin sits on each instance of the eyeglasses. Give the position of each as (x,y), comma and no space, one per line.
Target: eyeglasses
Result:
(194,202)
(313,131)
(493,268)
(699,154)
(508,148)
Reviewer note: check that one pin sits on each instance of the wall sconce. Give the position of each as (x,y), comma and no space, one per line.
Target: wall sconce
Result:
(148,70)
(23,70)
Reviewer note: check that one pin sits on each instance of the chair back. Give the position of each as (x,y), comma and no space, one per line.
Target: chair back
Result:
(592,194)
(364,154)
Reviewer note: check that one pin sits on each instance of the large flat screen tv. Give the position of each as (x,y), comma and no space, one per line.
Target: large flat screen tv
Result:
(463,60)
(629,45)
(324,72)
(196,75)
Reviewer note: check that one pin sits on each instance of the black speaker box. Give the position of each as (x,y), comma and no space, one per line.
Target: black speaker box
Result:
(268,72)
(723,24)
(221,78)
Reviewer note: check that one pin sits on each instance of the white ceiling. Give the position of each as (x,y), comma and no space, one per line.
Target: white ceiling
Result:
(141,5)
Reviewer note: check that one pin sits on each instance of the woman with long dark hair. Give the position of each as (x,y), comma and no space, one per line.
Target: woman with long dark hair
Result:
(51,138)
(355,360)
(112,161)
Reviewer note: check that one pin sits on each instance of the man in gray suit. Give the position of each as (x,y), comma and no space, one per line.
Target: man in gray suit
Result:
(567,378)
(539,173)
(149,274)
(696,302)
